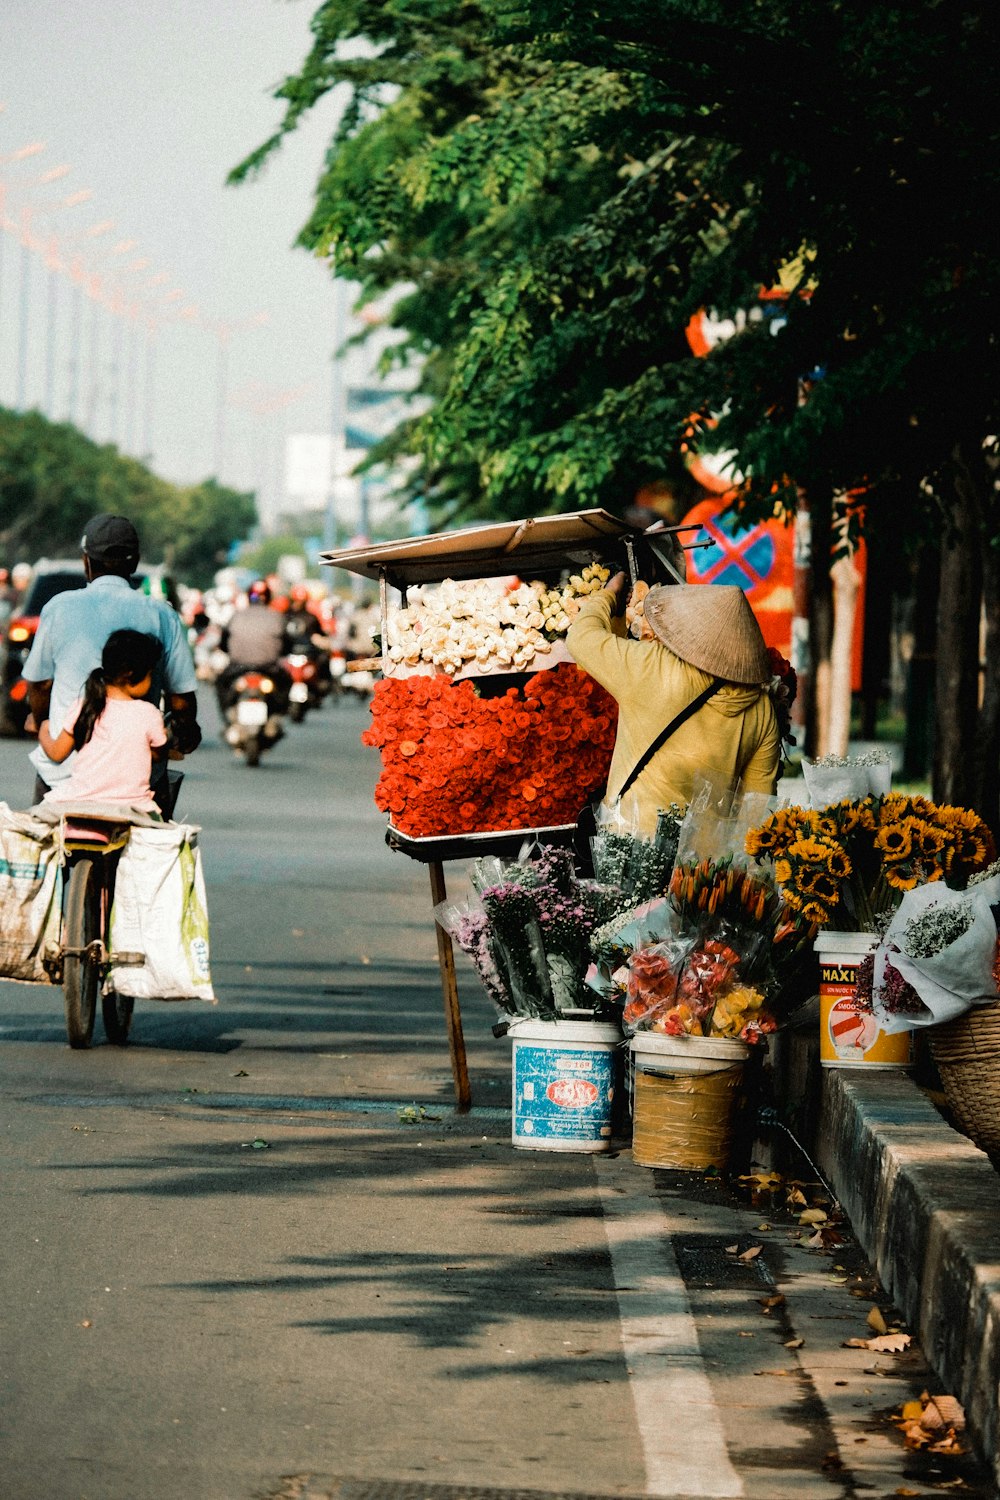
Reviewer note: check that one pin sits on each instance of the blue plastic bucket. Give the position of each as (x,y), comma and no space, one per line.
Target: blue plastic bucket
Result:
(566,1075)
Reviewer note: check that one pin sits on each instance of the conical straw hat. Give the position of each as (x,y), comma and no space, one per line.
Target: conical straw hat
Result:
(711,626)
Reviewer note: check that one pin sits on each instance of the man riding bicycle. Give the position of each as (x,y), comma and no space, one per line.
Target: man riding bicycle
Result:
(72,631)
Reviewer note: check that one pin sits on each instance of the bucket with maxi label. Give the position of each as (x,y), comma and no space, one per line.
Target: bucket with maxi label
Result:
(566,1078)
(849,1033)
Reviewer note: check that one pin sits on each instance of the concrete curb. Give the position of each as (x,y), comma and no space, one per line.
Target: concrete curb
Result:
(925,1205)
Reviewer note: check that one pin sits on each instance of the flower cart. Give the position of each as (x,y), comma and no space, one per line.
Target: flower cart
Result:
(489,734)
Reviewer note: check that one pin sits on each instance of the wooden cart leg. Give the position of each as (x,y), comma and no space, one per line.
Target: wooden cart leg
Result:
(449,987)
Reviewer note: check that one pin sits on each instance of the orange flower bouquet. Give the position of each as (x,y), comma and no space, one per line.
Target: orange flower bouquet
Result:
(458,759)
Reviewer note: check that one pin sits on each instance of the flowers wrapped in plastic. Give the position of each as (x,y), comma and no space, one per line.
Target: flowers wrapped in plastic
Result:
(638,867)
(527,929)
(844,865)
(693,987)
(839,778)
(938,956)
(720,955)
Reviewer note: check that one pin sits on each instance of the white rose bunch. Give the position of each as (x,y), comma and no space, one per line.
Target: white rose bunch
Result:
(484,625)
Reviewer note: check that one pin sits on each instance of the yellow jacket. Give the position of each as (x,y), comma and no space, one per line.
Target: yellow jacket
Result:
(733,736)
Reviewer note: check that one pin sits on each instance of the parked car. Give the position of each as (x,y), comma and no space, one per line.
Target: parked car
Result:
(50,577)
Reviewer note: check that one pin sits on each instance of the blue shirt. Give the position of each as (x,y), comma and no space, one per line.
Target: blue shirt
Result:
(72,630)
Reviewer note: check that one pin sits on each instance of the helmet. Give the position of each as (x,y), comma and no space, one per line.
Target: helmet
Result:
(258,592)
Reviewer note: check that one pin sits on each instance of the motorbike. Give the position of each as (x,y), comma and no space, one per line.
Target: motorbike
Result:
(309,683)
(253,703)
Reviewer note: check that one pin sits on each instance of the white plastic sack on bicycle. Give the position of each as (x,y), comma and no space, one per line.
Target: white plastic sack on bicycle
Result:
(30,895)
(160,910)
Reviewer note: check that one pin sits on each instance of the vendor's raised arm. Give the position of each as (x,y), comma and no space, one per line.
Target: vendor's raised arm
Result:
(594,641)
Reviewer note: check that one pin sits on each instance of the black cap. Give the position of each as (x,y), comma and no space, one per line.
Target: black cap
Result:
(111,539)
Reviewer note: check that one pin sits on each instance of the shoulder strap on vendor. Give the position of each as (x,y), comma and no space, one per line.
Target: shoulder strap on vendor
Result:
(664,734)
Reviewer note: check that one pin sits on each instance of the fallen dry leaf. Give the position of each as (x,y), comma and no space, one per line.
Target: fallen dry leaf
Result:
(750,1254)
(774,1372)
(815,1241)
(768,1302)
(813,1216)
(890,1343)
(931,1423)
(949,1444)
(876,1322)
(794,1343)
(946,1408)
(763,1181)
(886,1343)
(86,1323)
(732,1249)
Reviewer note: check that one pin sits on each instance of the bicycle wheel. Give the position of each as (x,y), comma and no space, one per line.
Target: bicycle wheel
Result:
(116,1011)
(81,975)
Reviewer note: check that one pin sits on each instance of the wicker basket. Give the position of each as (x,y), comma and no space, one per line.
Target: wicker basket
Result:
(967,1054)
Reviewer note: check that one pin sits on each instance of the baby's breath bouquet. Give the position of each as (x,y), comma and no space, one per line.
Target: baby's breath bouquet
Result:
(844,865)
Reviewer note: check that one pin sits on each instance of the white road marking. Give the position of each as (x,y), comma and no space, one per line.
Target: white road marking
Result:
(680,1425)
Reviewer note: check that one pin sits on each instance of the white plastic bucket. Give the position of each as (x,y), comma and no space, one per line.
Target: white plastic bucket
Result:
(683,1098)
(849,1035)
(565,1078)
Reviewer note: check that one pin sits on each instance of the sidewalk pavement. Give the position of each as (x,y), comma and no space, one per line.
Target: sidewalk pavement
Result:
(925,1206)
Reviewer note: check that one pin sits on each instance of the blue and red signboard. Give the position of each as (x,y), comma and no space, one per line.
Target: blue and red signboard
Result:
(756,557)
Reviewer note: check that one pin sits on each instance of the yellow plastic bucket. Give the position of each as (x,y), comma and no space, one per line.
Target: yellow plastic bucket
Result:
(683,1099)
(849,1034)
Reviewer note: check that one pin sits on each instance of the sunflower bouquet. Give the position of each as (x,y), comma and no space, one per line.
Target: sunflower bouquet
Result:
(845,865)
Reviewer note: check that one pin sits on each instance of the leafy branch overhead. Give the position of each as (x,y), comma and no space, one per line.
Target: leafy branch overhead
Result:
(546,193)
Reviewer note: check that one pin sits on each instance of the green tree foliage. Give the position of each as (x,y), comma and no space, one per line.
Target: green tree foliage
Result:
(554,190)
(53,479)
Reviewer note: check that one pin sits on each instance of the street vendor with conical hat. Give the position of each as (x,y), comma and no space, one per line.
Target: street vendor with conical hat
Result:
(697,634)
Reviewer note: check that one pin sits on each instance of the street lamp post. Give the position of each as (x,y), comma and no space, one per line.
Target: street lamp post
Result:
(223,332)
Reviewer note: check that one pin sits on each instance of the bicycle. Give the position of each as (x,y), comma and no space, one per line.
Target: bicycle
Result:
(91,845)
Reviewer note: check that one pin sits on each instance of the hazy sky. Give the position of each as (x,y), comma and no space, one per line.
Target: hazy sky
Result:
(152,102)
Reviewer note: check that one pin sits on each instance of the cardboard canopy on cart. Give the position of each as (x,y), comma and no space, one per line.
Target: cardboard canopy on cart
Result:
(523,547)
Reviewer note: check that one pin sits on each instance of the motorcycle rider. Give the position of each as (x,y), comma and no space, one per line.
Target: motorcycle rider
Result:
(306,634)
(255,640)
(72,630)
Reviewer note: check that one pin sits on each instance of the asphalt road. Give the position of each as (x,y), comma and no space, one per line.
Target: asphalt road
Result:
(257,1254)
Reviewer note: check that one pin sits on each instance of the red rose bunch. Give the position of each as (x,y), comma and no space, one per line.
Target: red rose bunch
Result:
(456,762)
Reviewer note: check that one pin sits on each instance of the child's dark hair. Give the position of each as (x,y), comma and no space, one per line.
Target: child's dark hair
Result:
(127,658)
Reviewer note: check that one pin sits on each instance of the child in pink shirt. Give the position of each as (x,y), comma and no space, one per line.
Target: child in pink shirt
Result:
(115,731)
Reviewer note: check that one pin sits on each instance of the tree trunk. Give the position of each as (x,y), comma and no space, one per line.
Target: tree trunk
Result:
(986,790)
(801,609)
(958,621)
(986,793)
(920,669)
(846,584)
(880,593)
(820,631)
